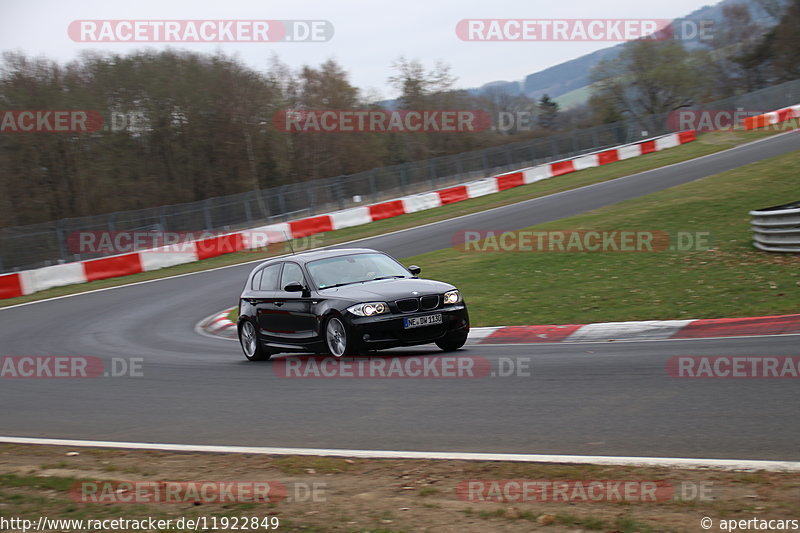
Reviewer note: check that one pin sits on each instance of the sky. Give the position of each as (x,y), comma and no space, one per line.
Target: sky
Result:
(368,35)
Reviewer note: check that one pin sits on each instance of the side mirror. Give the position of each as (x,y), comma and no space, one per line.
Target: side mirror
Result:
(414,269)
(294,286)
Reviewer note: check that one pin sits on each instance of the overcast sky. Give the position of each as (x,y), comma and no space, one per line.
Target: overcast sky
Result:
(369,35)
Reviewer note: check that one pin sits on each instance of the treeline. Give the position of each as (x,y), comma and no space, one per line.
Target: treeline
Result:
(653,77)
(182,126)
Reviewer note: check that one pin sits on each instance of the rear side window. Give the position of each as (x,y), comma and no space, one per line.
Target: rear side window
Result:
(256,283)
(291,272)
(269,277)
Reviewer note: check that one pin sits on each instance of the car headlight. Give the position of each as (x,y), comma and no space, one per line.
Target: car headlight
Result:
(369,309)
(452,297)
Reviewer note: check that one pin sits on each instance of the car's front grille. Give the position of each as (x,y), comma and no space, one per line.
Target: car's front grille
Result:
(409,305)
(424,303)
(429,302)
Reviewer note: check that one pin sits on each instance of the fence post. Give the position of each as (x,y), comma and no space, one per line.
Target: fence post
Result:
(460,168)
(373,187)
(62,252)
(207,215)
(404,179)
(247,212)
(311,200)
(162,219)
(282,201)
(338,190)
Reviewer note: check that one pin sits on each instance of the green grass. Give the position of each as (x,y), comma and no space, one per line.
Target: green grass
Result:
(574,97)
(730,279)
(706,144)
(301,464)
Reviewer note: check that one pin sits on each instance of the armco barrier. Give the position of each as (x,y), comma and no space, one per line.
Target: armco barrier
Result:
(771,118)
(777,229)
(30,281)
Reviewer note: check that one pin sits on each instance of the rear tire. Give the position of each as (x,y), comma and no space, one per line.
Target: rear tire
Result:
(248,339)
(452,342)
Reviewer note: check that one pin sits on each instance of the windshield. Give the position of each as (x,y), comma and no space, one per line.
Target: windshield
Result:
(356,268)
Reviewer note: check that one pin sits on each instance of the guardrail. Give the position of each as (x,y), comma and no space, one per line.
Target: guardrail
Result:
(777,229)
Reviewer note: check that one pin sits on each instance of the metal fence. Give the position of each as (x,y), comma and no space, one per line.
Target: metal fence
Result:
(37,245)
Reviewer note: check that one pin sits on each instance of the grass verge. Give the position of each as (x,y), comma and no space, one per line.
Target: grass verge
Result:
(706,144)
(361,495)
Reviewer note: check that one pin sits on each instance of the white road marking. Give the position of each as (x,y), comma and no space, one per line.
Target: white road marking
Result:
(672,462)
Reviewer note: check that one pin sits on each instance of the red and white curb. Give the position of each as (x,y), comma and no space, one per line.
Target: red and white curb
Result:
(220,325)
(646,330)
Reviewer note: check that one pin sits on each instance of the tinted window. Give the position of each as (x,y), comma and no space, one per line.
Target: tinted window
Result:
(269,278)
(291,272)
(354,268)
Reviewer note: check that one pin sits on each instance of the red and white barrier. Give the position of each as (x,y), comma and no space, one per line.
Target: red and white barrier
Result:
(30,281)
(772,118)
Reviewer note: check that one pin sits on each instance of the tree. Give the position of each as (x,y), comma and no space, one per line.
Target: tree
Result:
(416,85)
(548,112)
(647,78)
(786,44)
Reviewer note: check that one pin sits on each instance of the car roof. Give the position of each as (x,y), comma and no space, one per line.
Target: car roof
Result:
(312,255)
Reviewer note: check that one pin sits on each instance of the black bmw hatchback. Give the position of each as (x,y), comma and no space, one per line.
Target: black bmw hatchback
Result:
(344,302)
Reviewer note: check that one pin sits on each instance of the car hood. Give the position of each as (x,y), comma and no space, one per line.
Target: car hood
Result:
(386,289)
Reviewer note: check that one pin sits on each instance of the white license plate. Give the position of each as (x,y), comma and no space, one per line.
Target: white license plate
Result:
(420,321)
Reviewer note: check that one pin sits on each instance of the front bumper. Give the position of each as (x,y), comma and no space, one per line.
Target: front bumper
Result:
(388,330)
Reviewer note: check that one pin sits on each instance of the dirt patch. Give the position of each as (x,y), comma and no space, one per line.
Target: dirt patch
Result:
(357,495)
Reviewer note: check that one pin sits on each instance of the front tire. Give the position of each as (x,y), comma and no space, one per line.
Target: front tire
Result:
(248,338)
(337,339)
(452,342)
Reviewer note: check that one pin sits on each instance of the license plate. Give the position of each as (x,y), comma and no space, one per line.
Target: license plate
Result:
(420,321)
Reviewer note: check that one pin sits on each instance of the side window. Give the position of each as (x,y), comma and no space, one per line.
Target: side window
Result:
(269,277)
(291,272)
(256,283)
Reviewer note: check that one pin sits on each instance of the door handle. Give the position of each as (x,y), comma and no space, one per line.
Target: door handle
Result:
(279,304)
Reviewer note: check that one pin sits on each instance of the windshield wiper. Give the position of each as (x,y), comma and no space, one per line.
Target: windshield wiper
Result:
(361,281)
(338,285)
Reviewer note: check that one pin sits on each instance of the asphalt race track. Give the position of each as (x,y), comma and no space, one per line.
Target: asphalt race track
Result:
(596,399)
